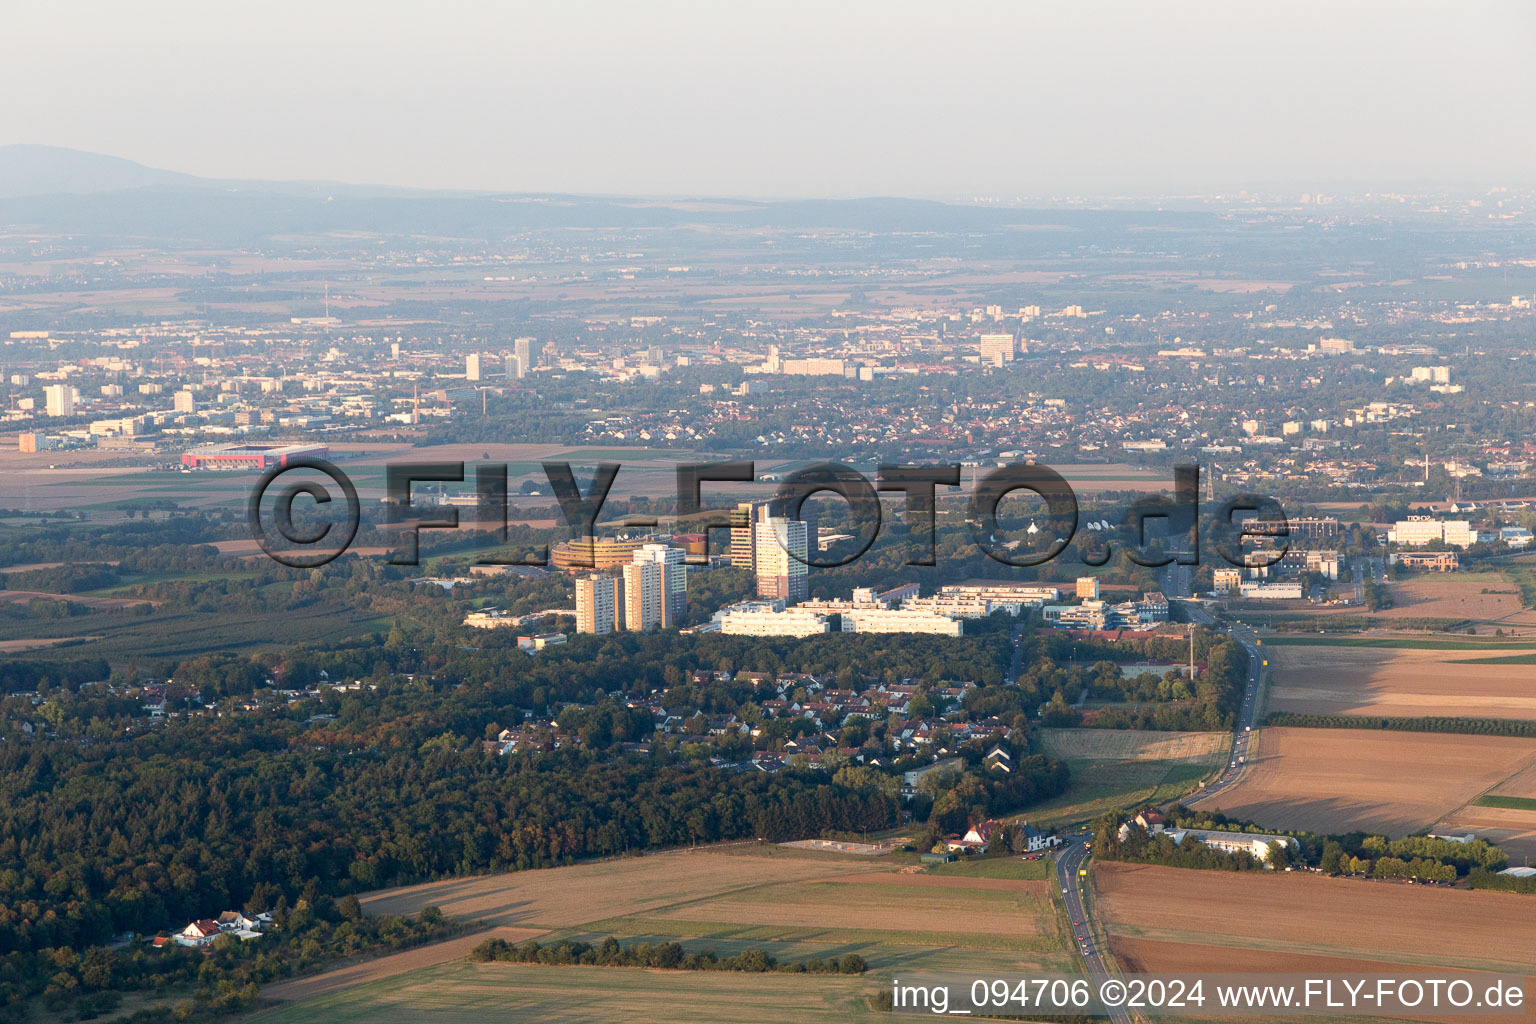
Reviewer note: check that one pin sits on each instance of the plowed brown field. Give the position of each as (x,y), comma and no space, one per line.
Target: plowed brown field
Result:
(1343,780)
(1400,683)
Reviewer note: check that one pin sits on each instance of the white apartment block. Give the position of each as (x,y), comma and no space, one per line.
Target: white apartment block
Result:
(900,620)
(763,618)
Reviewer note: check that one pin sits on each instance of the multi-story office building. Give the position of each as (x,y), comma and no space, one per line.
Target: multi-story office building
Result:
(1314,527)
(472,368)
(59,400)
(995,349)
(1417,530)
(522,351)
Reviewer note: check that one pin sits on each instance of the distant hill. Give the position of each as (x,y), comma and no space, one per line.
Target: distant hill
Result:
(28,170)
(43,170)
(50,189)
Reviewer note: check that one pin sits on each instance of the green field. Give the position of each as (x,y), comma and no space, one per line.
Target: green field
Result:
(167,633)
(466,993)
(1464,643)
(1507,659)
(996,867)
(1098,787)
(1509,803)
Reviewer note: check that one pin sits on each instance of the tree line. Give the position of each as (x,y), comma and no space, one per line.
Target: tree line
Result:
(1471,726)
(664,955)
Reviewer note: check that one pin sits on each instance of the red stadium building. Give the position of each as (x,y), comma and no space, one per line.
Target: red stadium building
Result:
(251,456)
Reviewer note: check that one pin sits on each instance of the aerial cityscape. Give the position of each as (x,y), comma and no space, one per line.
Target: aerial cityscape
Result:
(471,598)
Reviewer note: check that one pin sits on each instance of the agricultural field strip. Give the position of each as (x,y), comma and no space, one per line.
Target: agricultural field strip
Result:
(391,965)
(1314,948)
(1310,914)
(1383,799)
(1418,643)
(811,904)
(1524,775)
(524,887)
(932,951)
(466,993)
(747,935)
(1121,745)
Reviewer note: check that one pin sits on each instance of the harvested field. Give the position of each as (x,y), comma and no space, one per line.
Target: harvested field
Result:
(555,897)
(1513,822)
(1475,597)
(1128,745)
(1512,828)
(793,904)
(1342,780)
(1483,596)
(1522,783)
(1154,957)
(38,643)
(1400,683)
(18,596)
(1318,916)
(388,966)
(466,993)
(1025,911)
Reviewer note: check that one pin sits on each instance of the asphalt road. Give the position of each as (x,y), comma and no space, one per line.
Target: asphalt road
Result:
(1069,861)
(1016,665)
(1072,855)
(1247,716)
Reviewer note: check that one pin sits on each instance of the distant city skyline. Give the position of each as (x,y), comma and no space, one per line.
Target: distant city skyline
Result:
(977,99)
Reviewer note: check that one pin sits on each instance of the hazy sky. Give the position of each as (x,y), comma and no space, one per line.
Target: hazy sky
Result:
(947,98)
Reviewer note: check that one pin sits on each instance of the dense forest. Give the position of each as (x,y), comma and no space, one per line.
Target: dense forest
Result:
(140,836)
